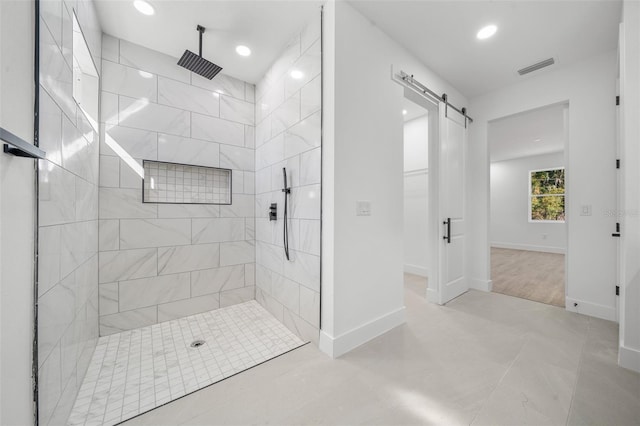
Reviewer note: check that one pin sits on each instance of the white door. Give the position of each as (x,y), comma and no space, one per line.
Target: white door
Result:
(453,137)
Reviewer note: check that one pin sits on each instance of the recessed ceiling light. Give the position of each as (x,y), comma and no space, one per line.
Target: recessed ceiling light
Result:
(404,112)
(144,7)
(145,74)
(486,32)
(243,50)
(297,74)
(537,140)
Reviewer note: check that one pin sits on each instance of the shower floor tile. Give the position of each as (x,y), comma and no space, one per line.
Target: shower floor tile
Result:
(138,370)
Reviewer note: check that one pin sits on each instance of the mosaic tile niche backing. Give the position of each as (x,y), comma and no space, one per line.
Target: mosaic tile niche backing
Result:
(186,184)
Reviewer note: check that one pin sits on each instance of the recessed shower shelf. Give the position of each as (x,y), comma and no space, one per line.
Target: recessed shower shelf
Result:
(173,183)
(19,147)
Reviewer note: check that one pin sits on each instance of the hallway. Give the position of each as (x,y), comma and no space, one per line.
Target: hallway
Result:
(484,358)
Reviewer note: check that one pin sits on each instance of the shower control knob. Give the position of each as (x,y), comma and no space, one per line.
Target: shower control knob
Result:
(273,211)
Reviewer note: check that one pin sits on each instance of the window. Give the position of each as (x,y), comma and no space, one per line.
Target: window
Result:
(546,195)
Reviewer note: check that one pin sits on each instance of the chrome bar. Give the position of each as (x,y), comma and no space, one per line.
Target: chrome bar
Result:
(19,147)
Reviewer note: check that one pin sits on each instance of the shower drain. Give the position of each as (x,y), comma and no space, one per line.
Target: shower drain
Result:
(197,343)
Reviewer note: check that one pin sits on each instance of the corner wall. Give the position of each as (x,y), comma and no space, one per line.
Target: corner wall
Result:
(629,355)
(362,263)
(590,89)
(288,134)
(17,202)
(164,261)
(68,249)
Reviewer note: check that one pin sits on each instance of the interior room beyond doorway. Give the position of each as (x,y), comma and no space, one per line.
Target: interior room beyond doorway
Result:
(528,223)
(416,193)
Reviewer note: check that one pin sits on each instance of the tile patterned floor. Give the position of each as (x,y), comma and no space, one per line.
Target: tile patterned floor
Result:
(137,370)
(481,359)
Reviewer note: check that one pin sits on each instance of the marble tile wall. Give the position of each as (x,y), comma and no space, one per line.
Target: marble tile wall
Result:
(288,134)
(68,225)
(158,262)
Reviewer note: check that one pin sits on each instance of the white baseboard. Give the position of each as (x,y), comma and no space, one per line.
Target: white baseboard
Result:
(340,345)
(528,247)
(482,285)
(416,270)
(629,358)
(591,309)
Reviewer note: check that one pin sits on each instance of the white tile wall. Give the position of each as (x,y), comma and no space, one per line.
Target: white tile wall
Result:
(188,258)
(217,130)
(135,371)
(176,149)
(188,97)
(211,281)
(129,81)
(288,134)
(68,227)
(140,113)
(154,256)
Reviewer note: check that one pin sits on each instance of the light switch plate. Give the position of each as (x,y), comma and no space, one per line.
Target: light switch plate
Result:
(363,208)
(585,210)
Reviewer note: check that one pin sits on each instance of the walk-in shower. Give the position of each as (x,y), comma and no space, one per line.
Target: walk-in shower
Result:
(155,227)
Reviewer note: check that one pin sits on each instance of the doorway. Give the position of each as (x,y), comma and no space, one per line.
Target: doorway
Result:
(528,222)
(416,197)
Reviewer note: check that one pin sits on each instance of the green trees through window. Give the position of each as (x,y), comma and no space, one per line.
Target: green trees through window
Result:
(547,191)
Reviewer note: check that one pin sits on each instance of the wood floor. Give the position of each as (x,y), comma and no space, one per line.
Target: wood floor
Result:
(416,284)
(529,275)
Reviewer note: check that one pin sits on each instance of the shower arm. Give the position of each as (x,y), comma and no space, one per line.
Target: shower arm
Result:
(200,29)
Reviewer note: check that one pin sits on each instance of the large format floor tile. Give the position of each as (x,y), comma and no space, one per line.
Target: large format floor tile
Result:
(484,358)
(135,371)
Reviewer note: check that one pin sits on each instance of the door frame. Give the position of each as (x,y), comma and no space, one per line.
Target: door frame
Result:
(437,113)
(567,213)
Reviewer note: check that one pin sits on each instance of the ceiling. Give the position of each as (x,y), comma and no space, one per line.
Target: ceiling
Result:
(536,132)
(265,26)
(442,34)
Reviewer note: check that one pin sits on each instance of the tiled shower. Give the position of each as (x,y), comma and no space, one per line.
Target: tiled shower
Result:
(160,261)
(115,265)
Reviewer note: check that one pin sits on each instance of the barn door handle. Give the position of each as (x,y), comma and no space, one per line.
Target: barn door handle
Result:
(447,236)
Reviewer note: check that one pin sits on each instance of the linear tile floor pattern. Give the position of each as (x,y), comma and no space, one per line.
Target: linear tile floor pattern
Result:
(482,359)
(138,370)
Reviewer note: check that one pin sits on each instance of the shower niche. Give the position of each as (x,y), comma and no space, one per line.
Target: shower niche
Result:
(174,183)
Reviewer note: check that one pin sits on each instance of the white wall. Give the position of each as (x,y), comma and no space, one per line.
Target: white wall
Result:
(510,225)
(362,267)
(416,186)
(288,134)
(16,214)
(629,355)
(589,87)
(159,262)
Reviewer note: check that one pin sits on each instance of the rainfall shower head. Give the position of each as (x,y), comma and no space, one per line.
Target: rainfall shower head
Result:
(196,63)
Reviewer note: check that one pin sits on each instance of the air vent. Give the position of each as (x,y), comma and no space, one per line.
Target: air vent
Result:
(536,67)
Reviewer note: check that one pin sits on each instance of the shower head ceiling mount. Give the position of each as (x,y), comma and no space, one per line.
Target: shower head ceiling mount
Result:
(196,63)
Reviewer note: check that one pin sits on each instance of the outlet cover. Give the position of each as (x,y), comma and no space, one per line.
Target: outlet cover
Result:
(363,208)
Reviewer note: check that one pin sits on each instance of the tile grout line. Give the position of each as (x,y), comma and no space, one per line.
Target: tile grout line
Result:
(501,379)
(575,384)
